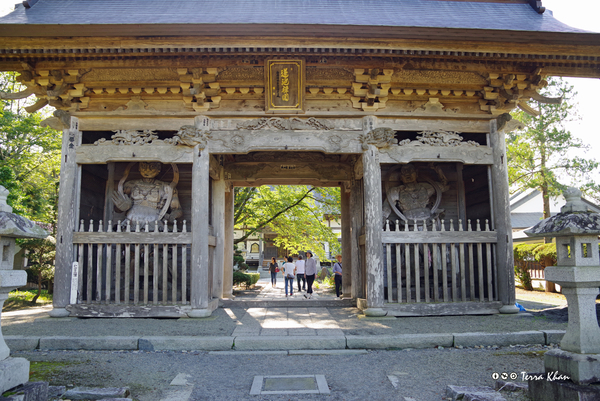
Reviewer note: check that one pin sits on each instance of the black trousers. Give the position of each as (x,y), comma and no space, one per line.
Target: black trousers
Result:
(338,285)
(310,278)
(300,277)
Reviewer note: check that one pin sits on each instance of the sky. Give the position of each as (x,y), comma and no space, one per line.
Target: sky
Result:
(577,13)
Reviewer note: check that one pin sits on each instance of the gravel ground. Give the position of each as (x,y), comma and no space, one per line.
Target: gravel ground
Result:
(422,374)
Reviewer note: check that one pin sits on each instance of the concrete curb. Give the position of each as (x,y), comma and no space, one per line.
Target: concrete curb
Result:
(288,343)
(400,341)
(111,343)
(179,343)
(520,337)
(20,343)
(248,343)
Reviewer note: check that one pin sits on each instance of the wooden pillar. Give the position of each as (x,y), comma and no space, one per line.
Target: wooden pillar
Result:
(347,261)
(66,216)
(218,221)
(228,244)
(357,269)
(373,246)
(504,248)
(199,295)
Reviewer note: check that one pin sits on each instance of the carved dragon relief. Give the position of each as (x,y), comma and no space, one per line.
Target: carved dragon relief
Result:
(188,135)
(438,138)
(286,124)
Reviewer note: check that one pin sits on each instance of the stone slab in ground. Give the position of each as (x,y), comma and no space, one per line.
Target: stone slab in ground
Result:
(94,393)
(30,391)
(467,393)
(501,385)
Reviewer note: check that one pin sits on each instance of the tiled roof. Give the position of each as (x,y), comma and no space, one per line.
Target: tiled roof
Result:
(511,16)
(524,220)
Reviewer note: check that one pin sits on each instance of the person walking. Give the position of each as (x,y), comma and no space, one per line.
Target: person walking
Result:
(310,271)
(300,273)
(289,271)
(274,269)
(337,275)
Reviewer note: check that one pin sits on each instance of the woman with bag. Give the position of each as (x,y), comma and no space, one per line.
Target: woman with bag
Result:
(274,269)
(289,272)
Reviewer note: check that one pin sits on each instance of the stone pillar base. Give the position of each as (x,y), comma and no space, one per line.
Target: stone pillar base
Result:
(59,312)
(581,368)
(374,312)
(199,313)
(509,309)
(13,372)
(546,389)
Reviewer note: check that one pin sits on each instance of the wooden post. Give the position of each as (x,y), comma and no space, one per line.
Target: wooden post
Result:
(356,224)
(347,261)
(199,296)
(228,244)
(504,248)
(66,217)
(219,228)
(373,245)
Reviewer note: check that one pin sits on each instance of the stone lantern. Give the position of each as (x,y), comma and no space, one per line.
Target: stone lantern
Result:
(13,371)
(578,272)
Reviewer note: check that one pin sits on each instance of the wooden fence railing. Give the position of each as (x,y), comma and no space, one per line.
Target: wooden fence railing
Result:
(439,264)
(133,265)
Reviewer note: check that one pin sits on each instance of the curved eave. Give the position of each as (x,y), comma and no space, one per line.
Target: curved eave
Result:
(299,31)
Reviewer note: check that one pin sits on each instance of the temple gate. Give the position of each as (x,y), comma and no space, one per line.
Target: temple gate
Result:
(161,120)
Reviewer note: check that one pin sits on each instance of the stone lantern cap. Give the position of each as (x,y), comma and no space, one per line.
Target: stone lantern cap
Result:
(574,219)
(15,226)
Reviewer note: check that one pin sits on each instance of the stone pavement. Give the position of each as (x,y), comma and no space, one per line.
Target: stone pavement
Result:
(287,324)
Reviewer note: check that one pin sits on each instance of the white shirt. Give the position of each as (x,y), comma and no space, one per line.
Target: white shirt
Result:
(288,268)
(300,266)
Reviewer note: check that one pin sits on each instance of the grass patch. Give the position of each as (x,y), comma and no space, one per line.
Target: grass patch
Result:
(47,371)
(22,299)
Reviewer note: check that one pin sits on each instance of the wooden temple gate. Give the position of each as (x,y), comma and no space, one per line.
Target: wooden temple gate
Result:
(408,122)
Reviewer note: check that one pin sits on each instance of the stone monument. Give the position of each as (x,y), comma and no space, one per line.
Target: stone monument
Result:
(578,273)
(13,371)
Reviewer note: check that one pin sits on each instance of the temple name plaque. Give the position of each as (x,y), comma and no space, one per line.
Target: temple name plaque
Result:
(286,86)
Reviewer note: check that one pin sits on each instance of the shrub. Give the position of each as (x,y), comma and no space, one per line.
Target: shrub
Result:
(246,279)
(523,254)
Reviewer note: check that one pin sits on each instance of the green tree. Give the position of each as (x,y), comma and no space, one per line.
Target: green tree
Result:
(540,155)
(297,214)
(41,253)
(29,157)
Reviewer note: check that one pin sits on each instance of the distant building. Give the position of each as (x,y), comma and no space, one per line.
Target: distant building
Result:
(526,210)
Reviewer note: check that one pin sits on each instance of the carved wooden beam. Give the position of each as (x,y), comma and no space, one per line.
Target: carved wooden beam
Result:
(36,106)
(18,95)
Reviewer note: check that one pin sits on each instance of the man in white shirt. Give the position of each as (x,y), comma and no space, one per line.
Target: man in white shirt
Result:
(300,273)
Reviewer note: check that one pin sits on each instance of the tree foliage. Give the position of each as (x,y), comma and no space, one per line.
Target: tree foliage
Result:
(41,253)
(29,157)
(297,214)
(541,155)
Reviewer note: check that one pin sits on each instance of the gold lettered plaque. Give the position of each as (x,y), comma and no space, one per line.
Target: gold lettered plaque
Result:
(285,86)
